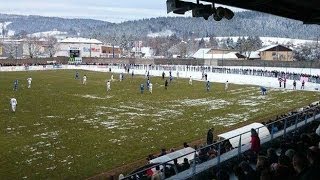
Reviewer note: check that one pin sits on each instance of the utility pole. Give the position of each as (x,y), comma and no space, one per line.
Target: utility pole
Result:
(90,48)
(113,42)
(16,46)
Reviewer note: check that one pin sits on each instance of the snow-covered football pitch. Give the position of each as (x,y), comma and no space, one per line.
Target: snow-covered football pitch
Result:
(64,129)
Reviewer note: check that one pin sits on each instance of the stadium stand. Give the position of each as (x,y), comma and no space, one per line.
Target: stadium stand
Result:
(290,151)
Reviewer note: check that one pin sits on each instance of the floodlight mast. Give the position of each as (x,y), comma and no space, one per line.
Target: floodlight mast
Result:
(199,10)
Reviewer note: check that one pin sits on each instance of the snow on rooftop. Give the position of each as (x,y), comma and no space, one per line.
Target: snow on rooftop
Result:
(81,40)
(201,53)
(268,47)
(204,53)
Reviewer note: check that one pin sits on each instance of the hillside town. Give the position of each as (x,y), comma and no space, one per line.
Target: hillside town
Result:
(58,44)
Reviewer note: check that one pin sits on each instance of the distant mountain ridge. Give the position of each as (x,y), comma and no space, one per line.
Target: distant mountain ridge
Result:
(243,24)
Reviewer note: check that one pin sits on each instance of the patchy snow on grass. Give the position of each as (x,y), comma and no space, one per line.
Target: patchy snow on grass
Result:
(109,124)
(131,108)
(247,102)
(229,119)
(213,104)
(168,113)
(51,117)
(93,96)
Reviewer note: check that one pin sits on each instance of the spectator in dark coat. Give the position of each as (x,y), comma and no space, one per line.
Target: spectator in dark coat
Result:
(185,164)
(210,136)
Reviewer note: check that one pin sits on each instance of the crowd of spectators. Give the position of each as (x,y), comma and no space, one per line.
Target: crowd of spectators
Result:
(203,69)
(275,162)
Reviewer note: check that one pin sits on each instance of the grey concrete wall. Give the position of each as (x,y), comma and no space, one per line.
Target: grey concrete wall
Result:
(195,62)
(62,60)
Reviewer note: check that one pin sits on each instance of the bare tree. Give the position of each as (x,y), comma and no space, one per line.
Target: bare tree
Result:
(33,46)
(11,49)
(52,46)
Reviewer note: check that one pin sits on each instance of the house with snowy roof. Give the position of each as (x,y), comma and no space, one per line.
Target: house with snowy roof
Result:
(79,47)
(276,53)
(211,53)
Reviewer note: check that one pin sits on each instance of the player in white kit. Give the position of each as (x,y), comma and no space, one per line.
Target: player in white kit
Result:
(84,80)
(226,86)
(150,88)
(108,86)
(190,80)
(13,103)
(29,82)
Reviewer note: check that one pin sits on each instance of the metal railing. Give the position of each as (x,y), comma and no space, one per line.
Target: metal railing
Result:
(289,123)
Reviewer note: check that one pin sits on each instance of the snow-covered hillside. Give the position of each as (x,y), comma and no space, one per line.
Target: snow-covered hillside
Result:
(48,33)
(4,31)
(165,33)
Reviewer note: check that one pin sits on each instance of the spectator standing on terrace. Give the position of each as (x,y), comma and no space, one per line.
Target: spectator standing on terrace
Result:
(302,84)
(146,74)
(255,142)
(318,130)
(185,164)
(284,82)
(163,152)
(300,165)
(210,136)
(156,174)
(280,81)
(294,84)
(185,145)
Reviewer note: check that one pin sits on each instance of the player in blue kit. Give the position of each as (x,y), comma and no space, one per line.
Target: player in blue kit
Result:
(208,86)
(141,88)
(15,85)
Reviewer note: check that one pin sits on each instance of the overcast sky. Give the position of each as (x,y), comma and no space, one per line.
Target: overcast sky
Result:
(107,10)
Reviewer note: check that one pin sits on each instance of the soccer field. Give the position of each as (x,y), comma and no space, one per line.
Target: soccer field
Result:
(65,130)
